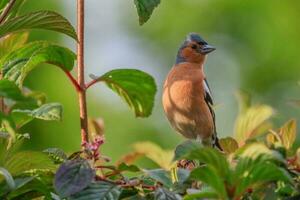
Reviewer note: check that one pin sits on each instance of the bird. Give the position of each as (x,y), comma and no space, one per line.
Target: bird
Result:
(187,99)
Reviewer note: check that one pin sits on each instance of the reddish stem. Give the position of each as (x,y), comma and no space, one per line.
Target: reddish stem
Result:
(74,82)
(92,82)
(80,72)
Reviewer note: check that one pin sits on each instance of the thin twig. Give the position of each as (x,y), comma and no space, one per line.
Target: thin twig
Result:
(80,72)
(6,11)
(92,82)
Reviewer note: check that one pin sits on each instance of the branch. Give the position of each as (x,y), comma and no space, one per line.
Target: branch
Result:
(80,72)
(6,11)
(92,82)
(74,82)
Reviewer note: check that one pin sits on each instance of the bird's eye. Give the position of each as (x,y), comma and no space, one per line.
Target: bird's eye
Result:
(194,46)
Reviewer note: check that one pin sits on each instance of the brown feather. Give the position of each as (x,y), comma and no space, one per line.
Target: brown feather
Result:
(184,103)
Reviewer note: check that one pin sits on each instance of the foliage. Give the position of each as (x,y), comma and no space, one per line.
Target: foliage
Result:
(257,162)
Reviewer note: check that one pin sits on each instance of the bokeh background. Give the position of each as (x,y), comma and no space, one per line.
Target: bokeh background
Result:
(257,50)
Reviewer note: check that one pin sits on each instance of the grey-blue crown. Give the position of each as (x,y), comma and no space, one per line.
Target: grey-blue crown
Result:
(191,37)
(194,37)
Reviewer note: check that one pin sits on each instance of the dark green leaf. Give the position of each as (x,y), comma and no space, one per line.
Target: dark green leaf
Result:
(185,148)
(209,175)
(3,4)
(9,179)
(47,20)
(14,10)
(161,176)
(164,194)
(145,9)
(136,87)
(258,172)
(19,182)
(40,185)
(16,65)
(10,90)
(12,42)
(100,190)
(130,168)
(72,177)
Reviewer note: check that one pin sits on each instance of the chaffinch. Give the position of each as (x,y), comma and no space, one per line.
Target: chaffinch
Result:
(187,99)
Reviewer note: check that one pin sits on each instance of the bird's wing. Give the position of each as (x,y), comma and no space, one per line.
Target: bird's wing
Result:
(209,101)
(208,95)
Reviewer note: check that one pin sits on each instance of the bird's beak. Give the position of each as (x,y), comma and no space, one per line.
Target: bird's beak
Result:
(207,49)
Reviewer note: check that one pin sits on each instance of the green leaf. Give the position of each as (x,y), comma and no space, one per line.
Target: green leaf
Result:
(145,9)
(160,175)
(211,157)
(164,194)
(47,20)
(9,179)
(288,134)
(12,42)
(136,87)
(229,145)
(16,65)
(19,182)
(209,175)
(14,10)
(28,160)
(3,4)
(56,154)
(35,183)
(185,148)
(72,177)
(255,150)
(49,112)
(129,168)
(252,122)
(161,157)
(10,90)
(259,173)
(100,190)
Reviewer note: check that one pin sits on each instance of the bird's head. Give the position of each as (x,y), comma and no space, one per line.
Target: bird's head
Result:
(194,49)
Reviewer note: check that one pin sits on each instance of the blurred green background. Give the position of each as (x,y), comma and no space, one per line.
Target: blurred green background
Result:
(257,50)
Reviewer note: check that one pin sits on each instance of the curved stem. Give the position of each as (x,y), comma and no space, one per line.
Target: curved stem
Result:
(73,81)
(80,72)
(92,82)
(5,12)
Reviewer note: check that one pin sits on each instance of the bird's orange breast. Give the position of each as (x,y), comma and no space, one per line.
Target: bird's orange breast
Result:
(184,104)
